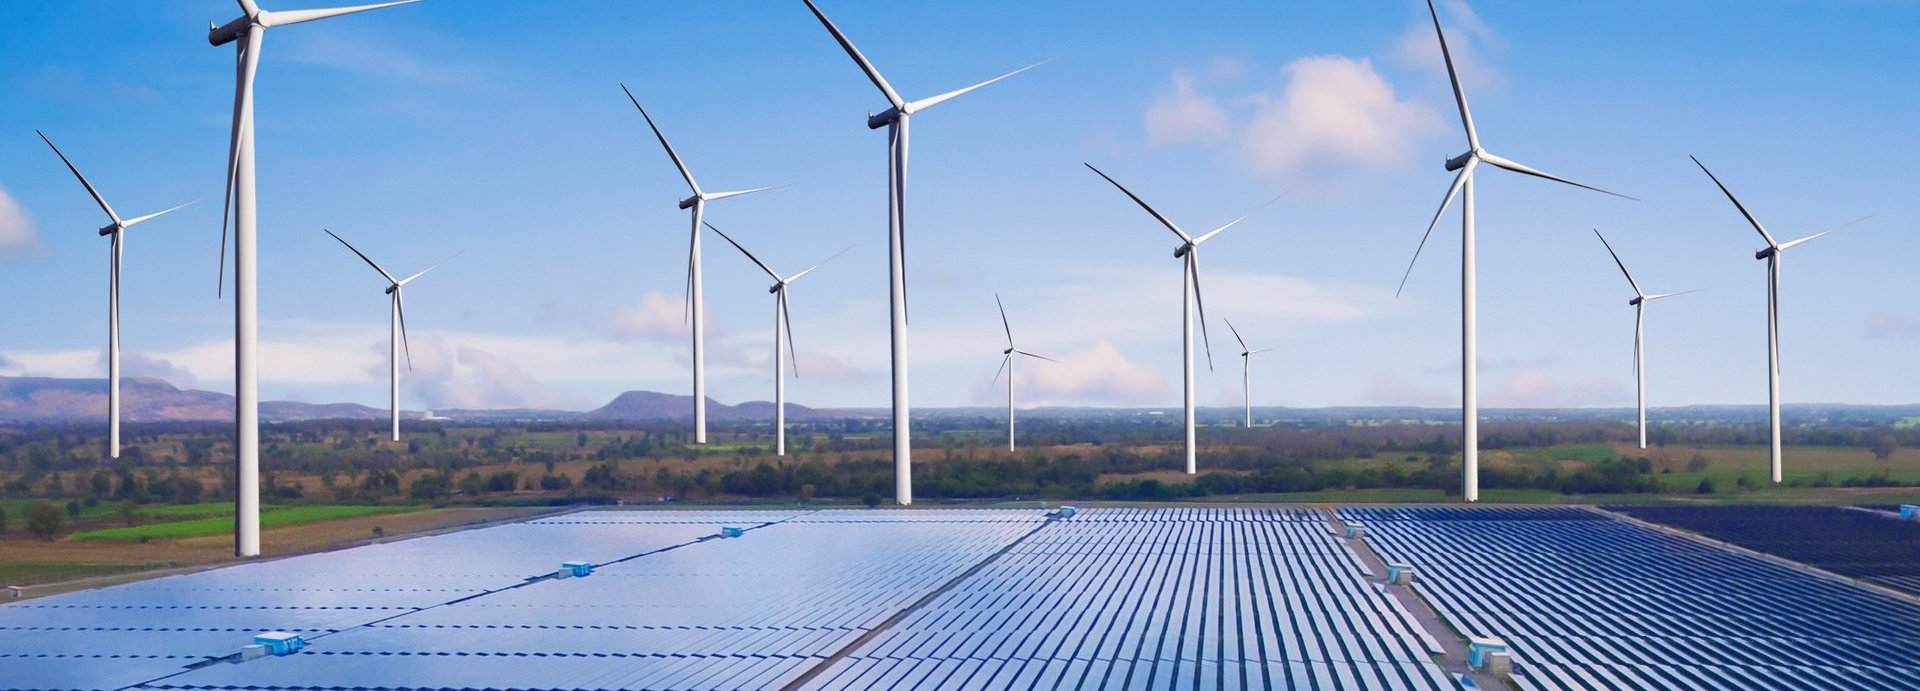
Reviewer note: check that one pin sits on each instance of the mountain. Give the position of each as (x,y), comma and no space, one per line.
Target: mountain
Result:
(144,399)
(653,405)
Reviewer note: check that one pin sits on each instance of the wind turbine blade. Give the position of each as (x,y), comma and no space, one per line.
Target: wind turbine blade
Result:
(363,257)
(102,201)
(823,262)
(786,315)
(852,52)
(1499,162)
(136,221)
(1193,269)
(930,102)
(1621,264)
(401,304)
(1791,243)
(1003,319)
(1236,333)
(291,17)
(1736,203)
(677,163)
(1452,191)
(1262,350)
(1668,295)
(723,195)
(1043,357)
(1143,204)
(1453,76)
(1242,217)
(1003,368)
(1639,321)
(423,272)
(246,64)
(756,260)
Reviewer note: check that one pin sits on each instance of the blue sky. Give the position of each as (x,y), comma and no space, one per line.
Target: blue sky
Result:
(499,129)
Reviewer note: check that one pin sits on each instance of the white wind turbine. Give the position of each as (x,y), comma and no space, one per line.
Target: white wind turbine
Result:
(1007,363)
(895,118)
(696,307)
(246,33)
(1639,303)
(1188,252)
(1770,253)
(782,325)
(1246,368)
(116,231)
(1463,186)
(397,328)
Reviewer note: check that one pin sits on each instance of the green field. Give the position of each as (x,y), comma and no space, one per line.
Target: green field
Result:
(217,525)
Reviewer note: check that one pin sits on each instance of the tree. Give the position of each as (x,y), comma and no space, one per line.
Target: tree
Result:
(871,499)
(1883,448)
(127,509)
(43,521)
(1697,463)
(3,521)
(1706,486)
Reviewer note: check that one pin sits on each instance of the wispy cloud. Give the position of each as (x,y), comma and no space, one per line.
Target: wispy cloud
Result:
(73,86)
(1185,116)
(379,57)
(1335,112)
(1887,326)
(18,235)
(1098,374)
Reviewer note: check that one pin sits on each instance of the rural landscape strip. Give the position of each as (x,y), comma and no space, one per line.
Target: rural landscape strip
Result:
(901,615)
(1455,658)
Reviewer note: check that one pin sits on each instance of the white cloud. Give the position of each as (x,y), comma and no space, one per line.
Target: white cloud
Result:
(147,365)
(18,237)
(1533,388)
(1098,374)
(1185,116)
(658,317)
(821,367)
(1883,325)
(1335,111)
(1467,39)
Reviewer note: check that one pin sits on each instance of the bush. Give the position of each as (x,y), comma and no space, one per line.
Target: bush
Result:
(871,499)
(43,521)
(1706,487)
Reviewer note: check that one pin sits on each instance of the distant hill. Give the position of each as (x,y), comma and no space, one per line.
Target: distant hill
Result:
(144,399)
(653,405)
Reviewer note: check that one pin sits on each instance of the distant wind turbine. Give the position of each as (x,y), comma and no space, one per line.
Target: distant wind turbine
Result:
(1639,303)
(1246,368)
(116,231)
(782,325)
(1007,364)
(397,333)
(895,118)
(1188,252)
(1463,186)
(246,32)
(696,307)
(1770,253)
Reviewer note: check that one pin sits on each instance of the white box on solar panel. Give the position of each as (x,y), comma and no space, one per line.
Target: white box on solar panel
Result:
(1400,574)
(1909,512)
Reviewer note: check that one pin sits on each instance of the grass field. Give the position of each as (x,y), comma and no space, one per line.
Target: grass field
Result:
(220,525)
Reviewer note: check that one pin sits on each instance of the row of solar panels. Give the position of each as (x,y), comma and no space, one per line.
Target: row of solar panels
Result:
(1588,602)
(1132,600)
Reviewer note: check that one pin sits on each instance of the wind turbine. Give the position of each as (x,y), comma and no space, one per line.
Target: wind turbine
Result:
(1770,253)
(246,33)
(1639,303)
(1189,295)
(116,231)
(696,308)
(895,118)
(1463,186)
(1246,368)
(1006,363)
(782,325)
(397,329)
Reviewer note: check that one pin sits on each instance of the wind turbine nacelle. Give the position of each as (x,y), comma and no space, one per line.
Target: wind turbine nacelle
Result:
(228,32)
(1763,254)
(108,230)
(689,202)
(1636,301)
(1181,251)
(390,289)
(775,288)
(1008,351)
(1459,161)
(884,118)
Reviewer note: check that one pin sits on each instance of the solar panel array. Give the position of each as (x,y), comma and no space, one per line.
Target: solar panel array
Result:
(116,637)
(1870,545)
(1163,599)
(1587,601)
